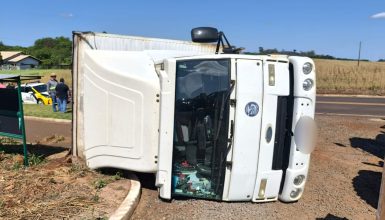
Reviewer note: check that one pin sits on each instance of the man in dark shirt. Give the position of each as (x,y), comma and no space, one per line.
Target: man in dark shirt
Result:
(62,93)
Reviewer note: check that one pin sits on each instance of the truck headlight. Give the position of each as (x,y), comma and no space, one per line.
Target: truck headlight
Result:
(295,193)
(307,68)
(298,180)
(307,84)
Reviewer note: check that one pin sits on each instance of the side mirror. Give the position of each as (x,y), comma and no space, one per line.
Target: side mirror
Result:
(204,35)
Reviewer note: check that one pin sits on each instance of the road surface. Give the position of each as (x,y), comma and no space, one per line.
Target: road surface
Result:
(343,182)
(351,106)
(37,130)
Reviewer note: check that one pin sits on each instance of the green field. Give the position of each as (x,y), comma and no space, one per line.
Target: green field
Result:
(45,111)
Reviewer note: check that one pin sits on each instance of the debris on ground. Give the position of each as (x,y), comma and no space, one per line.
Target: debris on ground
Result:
(55,185)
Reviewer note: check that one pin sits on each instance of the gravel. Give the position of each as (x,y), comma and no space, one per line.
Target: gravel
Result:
(345,175)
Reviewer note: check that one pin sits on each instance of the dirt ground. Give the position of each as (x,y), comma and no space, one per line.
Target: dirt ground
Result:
(344,181)
(55,185)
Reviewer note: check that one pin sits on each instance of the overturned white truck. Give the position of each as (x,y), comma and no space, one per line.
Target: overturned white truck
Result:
(209,122)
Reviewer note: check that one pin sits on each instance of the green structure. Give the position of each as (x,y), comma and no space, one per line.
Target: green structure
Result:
(11,109)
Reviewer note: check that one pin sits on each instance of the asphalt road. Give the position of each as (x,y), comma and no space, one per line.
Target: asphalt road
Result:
(351,106)
(37,130)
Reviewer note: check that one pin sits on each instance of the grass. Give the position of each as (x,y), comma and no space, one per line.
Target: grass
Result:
(35,160)
(100,183)
(45,111)
(45,73)
(42,110)
(345,77)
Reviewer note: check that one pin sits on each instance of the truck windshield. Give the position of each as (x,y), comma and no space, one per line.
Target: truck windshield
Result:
(41,88)
(201,128)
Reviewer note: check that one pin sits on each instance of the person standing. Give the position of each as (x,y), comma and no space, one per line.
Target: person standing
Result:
(62,94)
(51,88)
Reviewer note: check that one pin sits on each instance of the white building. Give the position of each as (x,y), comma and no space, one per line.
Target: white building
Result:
(18,60)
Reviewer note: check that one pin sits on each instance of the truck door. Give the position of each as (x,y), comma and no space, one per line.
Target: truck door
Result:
(249,93)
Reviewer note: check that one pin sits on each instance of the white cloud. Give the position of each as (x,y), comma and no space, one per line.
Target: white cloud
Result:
(378,15)
(67,15)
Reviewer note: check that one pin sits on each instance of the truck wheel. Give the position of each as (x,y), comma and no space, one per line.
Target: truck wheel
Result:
(39,102)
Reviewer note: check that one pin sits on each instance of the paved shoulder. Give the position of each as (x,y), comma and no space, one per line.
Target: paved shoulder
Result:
(351,105)
(38,129)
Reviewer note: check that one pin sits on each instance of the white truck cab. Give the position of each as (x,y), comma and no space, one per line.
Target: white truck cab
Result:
(229,127)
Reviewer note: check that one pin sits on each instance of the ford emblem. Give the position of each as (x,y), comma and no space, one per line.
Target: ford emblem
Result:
(251,109)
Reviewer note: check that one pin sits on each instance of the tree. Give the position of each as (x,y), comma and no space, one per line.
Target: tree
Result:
(260,50)
(52,51)
(294,52)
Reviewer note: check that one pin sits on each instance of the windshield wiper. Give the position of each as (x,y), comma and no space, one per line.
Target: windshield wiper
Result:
(225,99)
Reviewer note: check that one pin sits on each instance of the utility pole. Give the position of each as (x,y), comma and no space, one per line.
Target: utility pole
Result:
(359,54)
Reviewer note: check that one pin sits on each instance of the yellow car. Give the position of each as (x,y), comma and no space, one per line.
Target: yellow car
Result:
(35,93)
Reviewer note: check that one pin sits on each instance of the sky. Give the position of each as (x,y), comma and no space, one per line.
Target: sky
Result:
(333,27)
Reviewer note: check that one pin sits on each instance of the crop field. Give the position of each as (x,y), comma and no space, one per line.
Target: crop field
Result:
(345,77)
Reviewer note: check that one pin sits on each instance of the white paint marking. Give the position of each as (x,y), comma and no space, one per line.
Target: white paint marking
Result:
(355,115)
(352,103)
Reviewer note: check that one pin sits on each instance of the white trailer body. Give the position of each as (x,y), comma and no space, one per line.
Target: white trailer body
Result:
(215,126)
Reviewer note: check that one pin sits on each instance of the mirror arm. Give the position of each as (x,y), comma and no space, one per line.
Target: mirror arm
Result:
(218,44)
(224,36)
(221,42)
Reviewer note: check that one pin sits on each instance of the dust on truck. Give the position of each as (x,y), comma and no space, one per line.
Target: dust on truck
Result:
(207,121)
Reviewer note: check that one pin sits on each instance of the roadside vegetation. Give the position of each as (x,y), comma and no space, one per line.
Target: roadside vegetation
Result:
(53,52)
(346,77)
(55,185)
(45,111)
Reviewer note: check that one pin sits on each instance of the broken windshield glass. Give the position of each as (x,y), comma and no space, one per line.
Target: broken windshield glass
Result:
(201,127)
